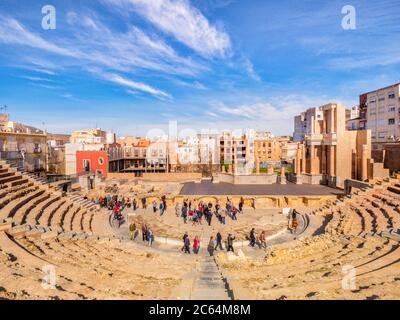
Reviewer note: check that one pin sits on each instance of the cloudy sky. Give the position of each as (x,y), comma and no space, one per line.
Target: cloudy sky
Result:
(134,65)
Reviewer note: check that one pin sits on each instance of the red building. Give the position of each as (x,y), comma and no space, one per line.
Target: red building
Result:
(92,162)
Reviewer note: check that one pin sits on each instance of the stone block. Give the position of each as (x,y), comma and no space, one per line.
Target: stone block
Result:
(5,225)
(19,232)
(49,235)
(66,235)
(34,234)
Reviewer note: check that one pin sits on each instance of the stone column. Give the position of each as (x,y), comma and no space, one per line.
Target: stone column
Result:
(223,169)
(283,176)
(297,166)
(230,168)
(364,163)
(235,167)
(270,169)
(303,157)
(312,160)
(331,161)
(257,166)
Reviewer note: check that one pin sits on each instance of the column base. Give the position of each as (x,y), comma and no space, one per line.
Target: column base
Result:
(298,179)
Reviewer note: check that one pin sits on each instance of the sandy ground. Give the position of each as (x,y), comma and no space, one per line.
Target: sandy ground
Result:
(171,226)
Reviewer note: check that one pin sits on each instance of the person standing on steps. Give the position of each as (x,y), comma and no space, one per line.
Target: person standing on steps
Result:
(154,204)
(241,203)
(295,222)
(187,244)
(177,209)
(253,238)
(144,205)
(184,213)
(211,246)
(144,231)
(150,237)
(164,202)
(218,242)
(162,208)
(134,204)
(230,242)
(262,241)
(132,229)
(196,245)
(183,239)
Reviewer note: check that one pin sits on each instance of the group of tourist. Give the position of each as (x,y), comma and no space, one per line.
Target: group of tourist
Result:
(162,206)
(260,241)
(214,244)
(195,213)
(147,233)
(114,204)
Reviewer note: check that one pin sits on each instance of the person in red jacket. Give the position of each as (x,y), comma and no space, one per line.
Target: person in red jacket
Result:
(196,245)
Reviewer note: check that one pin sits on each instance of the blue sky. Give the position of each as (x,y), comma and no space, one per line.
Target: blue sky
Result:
(134,65)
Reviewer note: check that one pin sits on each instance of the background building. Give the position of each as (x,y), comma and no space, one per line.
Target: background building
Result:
(383,115)
(23,145)
(92,162)
(328,153)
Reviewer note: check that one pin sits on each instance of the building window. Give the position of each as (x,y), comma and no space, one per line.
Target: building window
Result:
(391,109)
(381,98)
(391,121)
(101,161)
(381,135)
(86,165)
(36,148)
(391,95)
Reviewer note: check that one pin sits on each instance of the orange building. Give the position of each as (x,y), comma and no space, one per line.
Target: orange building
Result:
(269,149)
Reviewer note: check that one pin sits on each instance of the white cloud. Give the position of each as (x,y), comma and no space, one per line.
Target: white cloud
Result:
(276,113)
(36,79)
(139,86)
(11,31)
(136,86)
(183,21)
(248,66)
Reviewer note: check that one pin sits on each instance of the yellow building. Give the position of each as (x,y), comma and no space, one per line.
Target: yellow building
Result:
(270,149)
(23,145)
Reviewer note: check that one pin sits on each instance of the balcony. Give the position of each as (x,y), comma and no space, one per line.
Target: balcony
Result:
(11,155)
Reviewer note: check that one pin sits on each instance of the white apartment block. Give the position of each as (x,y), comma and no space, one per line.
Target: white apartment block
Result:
(383,114)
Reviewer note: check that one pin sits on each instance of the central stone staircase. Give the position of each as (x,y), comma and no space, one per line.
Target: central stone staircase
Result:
(208,282)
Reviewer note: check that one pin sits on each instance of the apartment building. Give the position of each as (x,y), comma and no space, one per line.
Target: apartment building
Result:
(328,153)
(269,149)
(382,111)
(129,156)
(22,144)
(238,151)
(92,136)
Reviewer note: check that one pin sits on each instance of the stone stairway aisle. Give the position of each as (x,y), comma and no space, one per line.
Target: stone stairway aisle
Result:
(208,283)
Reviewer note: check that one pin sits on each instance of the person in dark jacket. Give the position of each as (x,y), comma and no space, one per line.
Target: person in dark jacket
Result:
(253,237)
(218,242)
(230,242)
(187,245)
